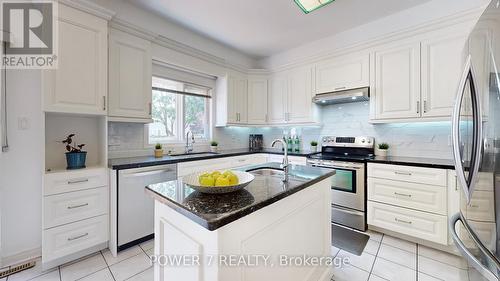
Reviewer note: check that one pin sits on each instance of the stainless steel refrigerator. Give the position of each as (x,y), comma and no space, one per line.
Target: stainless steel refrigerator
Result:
(476,146)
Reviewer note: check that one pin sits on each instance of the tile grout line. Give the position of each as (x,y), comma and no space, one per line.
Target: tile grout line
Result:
(112,275)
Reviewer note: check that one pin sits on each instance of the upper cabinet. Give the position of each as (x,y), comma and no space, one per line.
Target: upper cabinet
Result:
(79,84)
(341,73)
(130,78)
(397,82)
(442,66)
(290,97)
(417,81)
(232,100)
(257,100)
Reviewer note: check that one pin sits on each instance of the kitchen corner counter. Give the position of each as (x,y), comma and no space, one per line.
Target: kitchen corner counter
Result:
(415,161)
(146,161)
(213,211)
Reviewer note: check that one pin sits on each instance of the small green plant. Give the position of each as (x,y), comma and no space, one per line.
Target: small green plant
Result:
(158,146)
(314,143)
(70,147)
(383,146)
(214,143)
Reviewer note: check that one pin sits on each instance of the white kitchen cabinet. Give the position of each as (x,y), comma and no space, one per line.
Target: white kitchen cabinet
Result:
(290,97)
(397,81)
(278,89)
(294,160)
(341,73)
(442,66)
(232,100)
(413,201)
(79,84)
(130,78)
(300,93)
(257,100)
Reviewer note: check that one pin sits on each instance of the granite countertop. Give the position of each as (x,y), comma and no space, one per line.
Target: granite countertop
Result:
(213,211)
(415,161)
(145,161)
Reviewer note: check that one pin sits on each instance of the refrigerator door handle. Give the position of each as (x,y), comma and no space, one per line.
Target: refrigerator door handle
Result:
(4,142)
(467,75)
(483,270)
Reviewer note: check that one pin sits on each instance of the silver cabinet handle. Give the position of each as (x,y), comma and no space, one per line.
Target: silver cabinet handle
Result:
(148,173)
(402,194)
(77,206)
(103,102)
(402,221)
(339,88)
(418,107)
(78,237)
(3,103)
(403,173)
(425,106)
(150,109)
(78,181)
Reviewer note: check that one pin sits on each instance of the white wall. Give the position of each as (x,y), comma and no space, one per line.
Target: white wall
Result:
(410,18)
(20,168)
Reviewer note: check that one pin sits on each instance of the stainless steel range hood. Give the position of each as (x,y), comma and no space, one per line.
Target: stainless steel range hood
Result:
(352,95)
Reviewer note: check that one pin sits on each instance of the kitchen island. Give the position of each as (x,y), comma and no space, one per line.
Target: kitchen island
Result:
(263,232)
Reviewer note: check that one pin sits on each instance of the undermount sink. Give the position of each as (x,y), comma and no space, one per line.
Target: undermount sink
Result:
(208,153)
(267,172)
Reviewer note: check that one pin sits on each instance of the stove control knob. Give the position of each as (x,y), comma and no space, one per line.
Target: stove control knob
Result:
(369,141)
(363,140)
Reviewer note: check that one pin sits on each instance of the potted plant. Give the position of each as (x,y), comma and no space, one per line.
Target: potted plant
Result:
(213,146)
(158,150)
(314,146)
(75,157)
(382,149)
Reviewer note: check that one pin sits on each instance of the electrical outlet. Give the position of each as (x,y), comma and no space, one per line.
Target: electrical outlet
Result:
(23,123)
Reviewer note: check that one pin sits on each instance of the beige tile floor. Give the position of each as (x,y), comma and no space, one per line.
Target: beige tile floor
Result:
(385,258)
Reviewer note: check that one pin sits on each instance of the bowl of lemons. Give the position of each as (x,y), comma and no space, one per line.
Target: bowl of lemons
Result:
(218,182)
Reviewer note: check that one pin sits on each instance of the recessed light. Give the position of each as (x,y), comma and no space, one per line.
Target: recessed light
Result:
(308,6)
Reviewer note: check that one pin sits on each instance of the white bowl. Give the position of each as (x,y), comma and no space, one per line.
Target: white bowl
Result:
(193,181)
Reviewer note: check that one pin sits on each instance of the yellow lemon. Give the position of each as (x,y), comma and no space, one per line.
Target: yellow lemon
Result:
(233,179)
(228,173)
(222,181)
(207,181)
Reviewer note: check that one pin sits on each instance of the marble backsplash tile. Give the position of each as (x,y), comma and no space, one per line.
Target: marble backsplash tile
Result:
(425,139)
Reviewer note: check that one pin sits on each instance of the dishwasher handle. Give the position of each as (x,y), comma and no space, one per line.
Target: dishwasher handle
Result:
(150,171)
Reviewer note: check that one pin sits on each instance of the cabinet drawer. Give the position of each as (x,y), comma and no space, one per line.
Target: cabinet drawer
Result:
(67,181)
(255,159)
(418,224)
(427,198)
(73,206)
(295,160)
(408,173)
(187,168)
(482,206)
(71,238)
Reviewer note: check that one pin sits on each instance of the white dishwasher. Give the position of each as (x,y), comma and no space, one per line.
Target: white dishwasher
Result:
(136,208)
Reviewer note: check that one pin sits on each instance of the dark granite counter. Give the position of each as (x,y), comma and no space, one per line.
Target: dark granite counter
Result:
(146,161)
(213,211)
(415,161)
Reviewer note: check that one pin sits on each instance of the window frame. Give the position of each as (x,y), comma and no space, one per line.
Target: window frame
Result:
(181,118)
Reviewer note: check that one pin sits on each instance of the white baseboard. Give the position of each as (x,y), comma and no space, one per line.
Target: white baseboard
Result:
(21,257)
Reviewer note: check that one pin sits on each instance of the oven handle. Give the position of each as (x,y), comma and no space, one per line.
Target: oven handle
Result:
(336,166)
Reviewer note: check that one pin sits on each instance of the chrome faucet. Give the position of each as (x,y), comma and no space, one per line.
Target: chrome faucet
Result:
(284,165)
(189,145)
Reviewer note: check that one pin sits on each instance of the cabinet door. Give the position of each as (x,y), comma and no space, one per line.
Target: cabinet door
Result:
(241,100)
(397,82)
(129,76)
(300,93)
(442,66)
(277,99)
(257,101)
(232,112)
(340,73)
(79,84)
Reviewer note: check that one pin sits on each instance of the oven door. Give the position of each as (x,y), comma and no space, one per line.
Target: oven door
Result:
(348,184)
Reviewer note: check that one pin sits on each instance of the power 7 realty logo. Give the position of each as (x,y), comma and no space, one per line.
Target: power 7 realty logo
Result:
(29,31)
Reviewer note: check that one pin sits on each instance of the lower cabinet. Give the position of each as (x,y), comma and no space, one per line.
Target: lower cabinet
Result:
(410,222)
(412,201)
(294,160)
(186,168)
(75,215)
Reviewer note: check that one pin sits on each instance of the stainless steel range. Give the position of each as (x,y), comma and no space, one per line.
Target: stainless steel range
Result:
(347,155)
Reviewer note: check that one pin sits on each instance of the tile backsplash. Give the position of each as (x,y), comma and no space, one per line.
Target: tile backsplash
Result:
(424,139)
